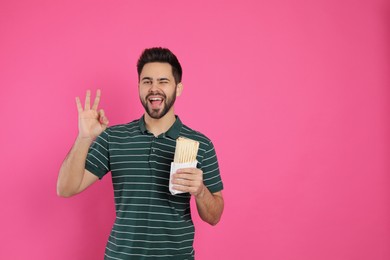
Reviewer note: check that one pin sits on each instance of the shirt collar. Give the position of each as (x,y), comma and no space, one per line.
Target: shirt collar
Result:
(172,132)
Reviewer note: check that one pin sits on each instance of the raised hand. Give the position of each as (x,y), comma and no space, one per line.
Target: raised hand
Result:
(92,122)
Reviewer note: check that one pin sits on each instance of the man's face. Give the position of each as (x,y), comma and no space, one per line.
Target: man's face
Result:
(157,89)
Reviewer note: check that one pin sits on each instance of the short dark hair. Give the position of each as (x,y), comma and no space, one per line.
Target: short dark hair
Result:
(159,54)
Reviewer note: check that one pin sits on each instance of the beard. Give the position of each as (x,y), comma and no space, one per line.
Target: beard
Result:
(167,105)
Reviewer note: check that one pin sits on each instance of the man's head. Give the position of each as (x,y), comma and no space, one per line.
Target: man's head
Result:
(163,55)
(159,76)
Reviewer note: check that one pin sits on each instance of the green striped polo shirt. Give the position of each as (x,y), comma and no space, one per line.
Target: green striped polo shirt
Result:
(150,223)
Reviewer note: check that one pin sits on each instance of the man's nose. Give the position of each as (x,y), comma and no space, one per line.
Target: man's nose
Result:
(153,87)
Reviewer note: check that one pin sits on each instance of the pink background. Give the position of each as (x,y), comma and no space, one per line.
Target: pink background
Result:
(294,94)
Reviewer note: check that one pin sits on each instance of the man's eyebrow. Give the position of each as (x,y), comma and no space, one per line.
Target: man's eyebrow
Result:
(146,78)
(161,79)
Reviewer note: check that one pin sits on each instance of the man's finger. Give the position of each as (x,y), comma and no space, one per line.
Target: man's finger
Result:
(187,176)
(101,115)
(180,188)
(79,106)
(188,170)
(97,100)
(87,105)
(102,118)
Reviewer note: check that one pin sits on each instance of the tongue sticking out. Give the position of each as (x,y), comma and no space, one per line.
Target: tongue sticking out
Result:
(156,103)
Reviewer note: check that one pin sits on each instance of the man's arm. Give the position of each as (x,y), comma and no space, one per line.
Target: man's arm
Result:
(73,178)
(210,205)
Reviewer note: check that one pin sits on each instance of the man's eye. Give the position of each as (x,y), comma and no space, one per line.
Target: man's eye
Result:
(164,82)
(147,82)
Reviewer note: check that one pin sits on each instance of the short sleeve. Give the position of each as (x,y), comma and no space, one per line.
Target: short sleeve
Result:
(97,161)
(210,168)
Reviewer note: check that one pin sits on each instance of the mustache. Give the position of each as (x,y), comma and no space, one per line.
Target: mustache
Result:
(155,94)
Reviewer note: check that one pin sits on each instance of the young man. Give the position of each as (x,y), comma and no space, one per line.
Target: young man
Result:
(151,223)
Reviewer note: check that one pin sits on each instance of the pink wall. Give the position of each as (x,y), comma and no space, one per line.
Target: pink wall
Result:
(301,86)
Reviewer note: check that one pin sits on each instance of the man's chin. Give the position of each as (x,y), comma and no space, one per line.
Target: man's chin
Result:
(155,114)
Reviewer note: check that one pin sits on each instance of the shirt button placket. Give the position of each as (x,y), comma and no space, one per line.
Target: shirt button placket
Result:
(152,156)
(153,146)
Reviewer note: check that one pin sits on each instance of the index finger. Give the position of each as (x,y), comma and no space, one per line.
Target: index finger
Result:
(188,170)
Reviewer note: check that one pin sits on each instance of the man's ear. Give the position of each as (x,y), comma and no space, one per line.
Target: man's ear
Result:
(179,89)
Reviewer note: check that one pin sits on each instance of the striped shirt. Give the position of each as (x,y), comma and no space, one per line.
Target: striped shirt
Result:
(150,223)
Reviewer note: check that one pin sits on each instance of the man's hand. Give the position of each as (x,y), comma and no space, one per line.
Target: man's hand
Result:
(91,121)
(189,180)
(73,177)
(209,205)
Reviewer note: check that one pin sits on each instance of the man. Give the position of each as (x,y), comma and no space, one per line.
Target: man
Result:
(151,223)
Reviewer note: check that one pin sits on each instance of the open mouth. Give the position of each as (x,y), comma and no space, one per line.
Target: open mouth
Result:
(155,101)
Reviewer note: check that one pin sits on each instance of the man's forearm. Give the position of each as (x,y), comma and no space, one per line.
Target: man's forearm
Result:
(210,206)
(72,169)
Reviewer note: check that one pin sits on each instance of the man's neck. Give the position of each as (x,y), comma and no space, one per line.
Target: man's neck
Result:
(159,126)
